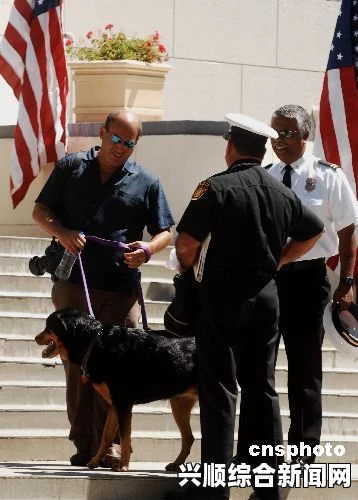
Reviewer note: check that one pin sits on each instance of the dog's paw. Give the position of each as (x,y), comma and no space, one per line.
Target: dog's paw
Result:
(173,467)
(110,462)
(120,467)
(93,464)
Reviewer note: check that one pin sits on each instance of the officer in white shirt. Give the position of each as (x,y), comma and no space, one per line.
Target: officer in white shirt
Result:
(303,285)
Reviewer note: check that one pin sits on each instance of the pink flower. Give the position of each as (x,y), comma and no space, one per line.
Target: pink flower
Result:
(149,44)
(68,43)
(162,48)
(109,26)
(89,35)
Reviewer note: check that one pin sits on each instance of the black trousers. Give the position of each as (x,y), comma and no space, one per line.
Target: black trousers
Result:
(303,296)
(236,342)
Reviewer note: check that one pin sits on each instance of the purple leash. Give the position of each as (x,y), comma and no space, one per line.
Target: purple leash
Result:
(122,246)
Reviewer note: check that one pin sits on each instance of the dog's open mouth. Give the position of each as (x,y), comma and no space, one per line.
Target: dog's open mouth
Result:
(50,351)
(52,345)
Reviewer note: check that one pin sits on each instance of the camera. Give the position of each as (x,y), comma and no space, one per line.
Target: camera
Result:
(47,263)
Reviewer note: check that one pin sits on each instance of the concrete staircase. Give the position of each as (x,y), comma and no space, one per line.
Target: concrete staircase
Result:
(33,420)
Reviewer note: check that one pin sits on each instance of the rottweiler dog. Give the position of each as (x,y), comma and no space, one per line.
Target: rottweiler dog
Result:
(127,366)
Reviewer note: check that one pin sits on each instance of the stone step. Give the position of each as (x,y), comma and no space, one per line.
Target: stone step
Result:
(19,266)
(36,369)
(29,480)
(32,394)
(28,247)
(146,418)
(21,324)
(340,379)
(157,446)
(41,393)
(21,369)
(25,283)
(30,324)
(331,358)
(43,305)
(22,247)
(23,395)
(25,346)
(56,480)
(153,288)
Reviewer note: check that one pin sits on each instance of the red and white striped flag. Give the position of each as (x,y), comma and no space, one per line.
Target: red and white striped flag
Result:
(336,137)
(32,61)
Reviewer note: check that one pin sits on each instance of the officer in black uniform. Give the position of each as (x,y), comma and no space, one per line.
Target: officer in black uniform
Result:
(250,216)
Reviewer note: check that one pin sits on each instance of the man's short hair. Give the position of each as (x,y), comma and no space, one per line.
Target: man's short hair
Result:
(248,143)
(298,113)
(115,115)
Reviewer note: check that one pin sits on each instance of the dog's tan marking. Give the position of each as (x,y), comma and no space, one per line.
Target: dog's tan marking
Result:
(104,391)
(181,405)
(125,432)
(110,431)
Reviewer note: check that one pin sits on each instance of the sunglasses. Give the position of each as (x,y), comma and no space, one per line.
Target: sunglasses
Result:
(118,140)
(287,134)
(226,136)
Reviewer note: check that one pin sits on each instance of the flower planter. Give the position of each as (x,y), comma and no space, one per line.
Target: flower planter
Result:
(99,87)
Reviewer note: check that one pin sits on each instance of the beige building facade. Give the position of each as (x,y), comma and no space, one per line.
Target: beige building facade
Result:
(227,55)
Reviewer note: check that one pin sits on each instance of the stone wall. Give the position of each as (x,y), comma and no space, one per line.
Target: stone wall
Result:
(227,55)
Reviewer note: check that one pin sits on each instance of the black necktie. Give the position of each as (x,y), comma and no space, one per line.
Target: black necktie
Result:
(287,176)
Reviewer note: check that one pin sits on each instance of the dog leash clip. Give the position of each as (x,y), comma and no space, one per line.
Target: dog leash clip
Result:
(84,378)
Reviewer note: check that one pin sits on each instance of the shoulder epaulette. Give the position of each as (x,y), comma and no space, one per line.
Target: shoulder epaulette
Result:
(327,164)
(268,166)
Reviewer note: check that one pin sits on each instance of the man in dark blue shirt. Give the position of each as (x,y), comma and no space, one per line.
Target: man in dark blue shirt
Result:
(105,193)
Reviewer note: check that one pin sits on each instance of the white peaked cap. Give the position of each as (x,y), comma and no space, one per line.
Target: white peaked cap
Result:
(251,125)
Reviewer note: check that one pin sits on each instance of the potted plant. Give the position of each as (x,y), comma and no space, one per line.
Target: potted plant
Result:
(110,70)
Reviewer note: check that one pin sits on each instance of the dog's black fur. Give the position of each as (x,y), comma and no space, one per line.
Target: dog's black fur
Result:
(137,366)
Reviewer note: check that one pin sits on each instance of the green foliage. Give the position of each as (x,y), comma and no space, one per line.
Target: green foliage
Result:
(108,45)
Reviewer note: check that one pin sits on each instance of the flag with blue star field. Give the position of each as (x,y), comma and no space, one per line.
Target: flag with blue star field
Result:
(336,137)
(32,61)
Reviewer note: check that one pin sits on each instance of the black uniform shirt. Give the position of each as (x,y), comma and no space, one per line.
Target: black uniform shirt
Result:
(119,209)
(250,216)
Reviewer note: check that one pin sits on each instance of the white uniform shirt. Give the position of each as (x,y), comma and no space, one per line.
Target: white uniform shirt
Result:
(332,199)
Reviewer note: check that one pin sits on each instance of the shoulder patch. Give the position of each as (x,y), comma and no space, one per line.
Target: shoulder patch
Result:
(201,189)
(268,166)
(327,164)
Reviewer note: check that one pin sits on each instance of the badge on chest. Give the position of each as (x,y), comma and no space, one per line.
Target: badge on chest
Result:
(310,184)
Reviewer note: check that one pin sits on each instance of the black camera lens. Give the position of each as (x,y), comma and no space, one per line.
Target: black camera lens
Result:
(37,265)
(47,263)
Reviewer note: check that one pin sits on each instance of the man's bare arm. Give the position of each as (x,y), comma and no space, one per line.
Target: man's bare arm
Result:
(71,239)
(295,249)
(187,249)
(347,256)
(158,242)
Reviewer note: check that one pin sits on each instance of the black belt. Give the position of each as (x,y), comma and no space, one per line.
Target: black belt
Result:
(303,264)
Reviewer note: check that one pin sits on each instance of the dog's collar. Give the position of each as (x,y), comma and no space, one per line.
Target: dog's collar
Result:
(84,373)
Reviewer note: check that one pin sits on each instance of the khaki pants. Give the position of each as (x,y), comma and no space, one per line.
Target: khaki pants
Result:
(86,409)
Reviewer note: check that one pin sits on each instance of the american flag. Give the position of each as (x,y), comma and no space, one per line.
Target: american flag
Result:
(32,61)
(336,137)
